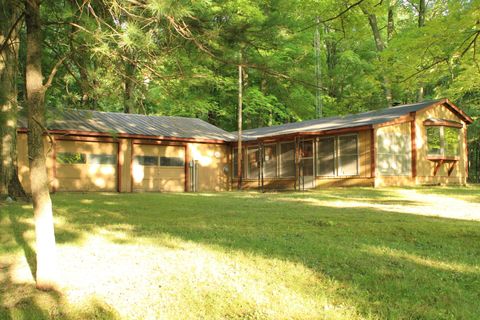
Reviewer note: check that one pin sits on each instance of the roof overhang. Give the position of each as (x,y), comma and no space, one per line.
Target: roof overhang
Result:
(456,110)
(127,136)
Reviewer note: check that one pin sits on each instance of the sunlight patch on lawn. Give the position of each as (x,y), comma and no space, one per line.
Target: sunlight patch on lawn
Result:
(411,202)
(423,261)
(193,280)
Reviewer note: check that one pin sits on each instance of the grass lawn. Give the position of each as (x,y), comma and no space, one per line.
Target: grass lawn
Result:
(355,253)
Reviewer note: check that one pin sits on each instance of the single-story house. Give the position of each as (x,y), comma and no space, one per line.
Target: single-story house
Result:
(414,144)
(109,151)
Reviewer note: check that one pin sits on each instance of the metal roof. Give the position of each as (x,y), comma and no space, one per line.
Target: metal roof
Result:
(332,123)
(135,124)
(193,128)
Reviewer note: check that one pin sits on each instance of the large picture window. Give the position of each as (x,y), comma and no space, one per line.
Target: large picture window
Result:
(337,156)
(443,141)
(287,159)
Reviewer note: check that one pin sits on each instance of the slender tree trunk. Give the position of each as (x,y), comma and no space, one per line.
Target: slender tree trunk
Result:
(422,10)
(240,126)
(380,45)
(42,204)
(390,20)
(11,19)
(129,82)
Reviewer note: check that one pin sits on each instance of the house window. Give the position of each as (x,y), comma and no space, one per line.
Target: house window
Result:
(443,141)
(337,156)
(287,159)
(171,162)
(452,141)
(270,161)
(105,159)
(146,160)
(253,163)
(71,158)
(434,141)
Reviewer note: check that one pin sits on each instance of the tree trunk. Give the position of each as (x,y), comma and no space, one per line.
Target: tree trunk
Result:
(129,82)
(240,127)
(42,204)
(10,24)
(422,10)
(390,21)
(380,45)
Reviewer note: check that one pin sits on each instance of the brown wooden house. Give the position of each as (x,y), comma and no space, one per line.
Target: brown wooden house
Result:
(415,144)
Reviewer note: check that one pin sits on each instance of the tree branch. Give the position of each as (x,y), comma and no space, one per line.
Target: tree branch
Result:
(53,73)
(9,34)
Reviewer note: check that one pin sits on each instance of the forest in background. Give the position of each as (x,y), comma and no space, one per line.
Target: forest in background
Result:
(181,57)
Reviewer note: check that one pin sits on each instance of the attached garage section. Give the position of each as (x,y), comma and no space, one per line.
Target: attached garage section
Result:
(158,167)
(85,166)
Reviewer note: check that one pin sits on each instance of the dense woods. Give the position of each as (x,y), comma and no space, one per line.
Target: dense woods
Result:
(181,57)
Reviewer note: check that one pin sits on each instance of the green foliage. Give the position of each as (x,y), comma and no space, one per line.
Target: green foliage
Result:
(181,56)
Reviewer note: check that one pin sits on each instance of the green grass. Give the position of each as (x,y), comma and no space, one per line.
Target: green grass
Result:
(355,253)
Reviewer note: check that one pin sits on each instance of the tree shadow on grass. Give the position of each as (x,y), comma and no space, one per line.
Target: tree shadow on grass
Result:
(21,300)
(393,265)
(390,264)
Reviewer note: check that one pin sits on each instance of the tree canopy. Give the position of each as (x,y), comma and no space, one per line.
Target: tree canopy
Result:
(171,57)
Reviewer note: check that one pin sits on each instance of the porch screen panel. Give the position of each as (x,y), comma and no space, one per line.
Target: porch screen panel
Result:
(252,168)
(347,155)
(287,159)
(270,162)
(326,157)
(235,163)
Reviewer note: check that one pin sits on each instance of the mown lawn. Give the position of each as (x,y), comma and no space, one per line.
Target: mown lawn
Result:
(356,253)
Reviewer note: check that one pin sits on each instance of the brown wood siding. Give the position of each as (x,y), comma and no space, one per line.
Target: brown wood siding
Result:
(425,167)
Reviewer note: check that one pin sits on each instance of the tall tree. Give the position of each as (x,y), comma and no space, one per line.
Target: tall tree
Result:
(380,45)
(35,100)
(11,20)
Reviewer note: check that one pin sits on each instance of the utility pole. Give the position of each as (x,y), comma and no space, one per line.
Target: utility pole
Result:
(240,107)
(318,72)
